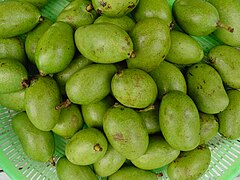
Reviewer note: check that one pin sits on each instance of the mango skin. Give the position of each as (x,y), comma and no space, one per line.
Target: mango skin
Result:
(229,13)
(133,173)
(184,49)
(67,170)
(168,77)
(33,38)
(78,13)
(113,8)
(179,121)
(229,123)
(110,163)
(86,147)
(12,74)
(134,88)
(13,22)
(13,100)
(103,42)
(38,3)
(191,164)
(12,48)
(70,121)
(32,139)
(55,49)
(125,131)
(158,154)
(41,99)
(90,84)
(152,8)
(151,41)
(206,89)
(224,59)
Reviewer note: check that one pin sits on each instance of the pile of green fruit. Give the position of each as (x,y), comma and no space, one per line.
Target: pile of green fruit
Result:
(124,81)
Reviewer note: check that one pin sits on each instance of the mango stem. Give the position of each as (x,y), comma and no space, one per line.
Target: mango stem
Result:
(224,26)
(89,7)
(64,104)
(149,108)
(51,160)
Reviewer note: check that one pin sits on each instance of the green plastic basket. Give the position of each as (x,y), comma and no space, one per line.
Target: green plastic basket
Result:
(225,161)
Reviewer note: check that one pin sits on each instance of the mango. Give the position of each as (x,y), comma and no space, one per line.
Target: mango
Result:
(67,170)
(168,77)
(229,123)
(159,153)
(191,164)
(110,163)
(114,8)
(229,13)
(103,42)
(133,173)
(184,49)
(12,48)
(70,121)
(13,100)
(38,3)
(17,18)
(38,145)
(12,75)
(86,147)
(151,42)
(78,13)
(225,60)
(55,55)
(206,89)
(152,8)
(33,38)
(125,131)
(134,88)
(90,84)
(179,121)
(93,113)
(41,99)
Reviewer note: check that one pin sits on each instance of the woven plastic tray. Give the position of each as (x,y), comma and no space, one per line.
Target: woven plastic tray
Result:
(225,162)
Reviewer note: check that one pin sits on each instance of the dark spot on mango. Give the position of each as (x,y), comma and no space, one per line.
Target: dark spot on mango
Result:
(103,4)
(131,6)
(99,11)
(119,137)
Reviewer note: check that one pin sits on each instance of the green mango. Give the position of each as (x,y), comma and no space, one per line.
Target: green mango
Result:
(12,75)
(168,77)
(208,127)
(103,42)
(93,113)
(90,84)
(33,38)
(38,3)
(151,41)
(205,87)
(125,22)
(229,123)
(150,116)
(134,88)
(70,121)
(153,8)
(114,8)
(229,13)
(13,100)
(125,131)
(179,121)
(38,145)
(41,99)
(159,153)
(12,48)
(86,147)
(67,170)
(184,49)
(133,173)
(76,64)
(17,18)
(78,13)
(190,165)
(110,163)
(225,60)
(55,55)
(196,17)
